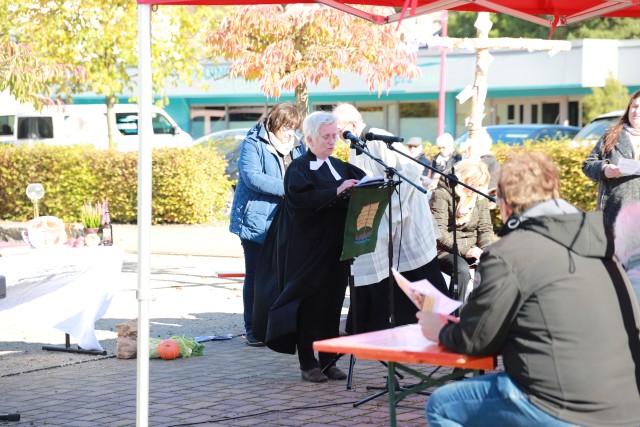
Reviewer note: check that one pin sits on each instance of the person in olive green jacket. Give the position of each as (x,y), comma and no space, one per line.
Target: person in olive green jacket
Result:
(472,220)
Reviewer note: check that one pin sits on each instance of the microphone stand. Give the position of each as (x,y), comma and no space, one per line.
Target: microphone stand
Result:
(450,177)
(360,146)
(453,181)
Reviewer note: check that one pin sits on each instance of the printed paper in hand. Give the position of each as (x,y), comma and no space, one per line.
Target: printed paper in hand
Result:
(629,166)
(425,296)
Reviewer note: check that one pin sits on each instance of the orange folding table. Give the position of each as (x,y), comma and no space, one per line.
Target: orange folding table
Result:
(406,344)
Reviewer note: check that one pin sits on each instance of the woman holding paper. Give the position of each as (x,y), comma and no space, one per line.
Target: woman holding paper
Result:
(621,141)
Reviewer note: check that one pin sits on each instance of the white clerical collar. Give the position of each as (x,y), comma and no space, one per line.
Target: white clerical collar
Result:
(314,165)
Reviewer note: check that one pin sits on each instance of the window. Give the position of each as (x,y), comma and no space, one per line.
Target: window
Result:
(419,119)
(127,123)
(208,119)
(323,107)
(511,113)
(35,127)
(534,113)
(375,116)
(521,113)
(418,109)
(161,125)
(551,113)
(547,134)
(7,124)
(574,113)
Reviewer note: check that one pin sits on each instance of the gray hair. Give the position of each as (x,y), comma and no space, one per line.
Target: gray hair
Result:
(627,232)
(445,139)
(346,113)
(314,121)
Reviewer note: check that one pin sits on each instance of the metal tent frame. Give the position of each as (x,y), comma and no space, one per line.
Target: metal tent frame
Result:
(549,13)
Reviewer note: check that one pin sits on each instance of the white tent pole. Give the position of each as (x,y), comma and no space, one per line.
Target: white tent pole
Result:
(145,129)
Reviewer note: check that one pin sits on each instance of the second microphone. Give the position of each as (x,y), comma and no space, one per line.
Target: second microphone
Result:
(389,139)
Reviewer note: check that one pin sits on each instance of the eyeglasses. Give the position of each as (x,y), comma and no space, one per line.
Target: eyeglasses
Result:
(344,127)
(287,129)
(329,137)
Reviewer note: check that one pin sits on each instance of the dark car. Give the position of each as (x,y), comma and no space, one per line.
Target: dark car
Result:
(518,134)
(227,143)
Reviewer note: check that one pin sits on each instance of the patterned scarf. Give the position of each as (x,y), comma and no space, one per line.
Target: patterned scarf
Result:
(632,131)
(283,148)
(465,206)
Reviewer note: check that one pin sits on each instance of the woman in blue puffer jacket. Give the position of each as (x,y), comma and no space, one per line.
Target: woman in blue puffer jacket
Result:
(266,152)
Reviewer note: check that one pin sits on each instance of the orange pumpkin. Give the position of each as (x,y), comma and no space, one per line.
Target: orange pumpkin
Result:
(168,349)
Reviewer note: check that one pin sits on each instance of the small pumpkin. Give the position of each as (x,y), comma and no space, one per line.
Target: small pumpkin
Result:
(168,349)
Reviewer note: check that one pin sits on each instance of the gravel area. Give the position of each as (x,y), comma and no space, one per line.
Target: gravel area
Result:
(189,300)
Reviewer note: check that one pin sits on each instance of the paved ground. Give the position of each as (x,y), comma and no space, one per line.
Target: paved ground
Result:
(231,385)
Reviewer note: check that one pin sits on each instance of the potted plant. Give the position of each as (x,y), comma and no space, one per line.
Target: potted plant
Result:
(91,217)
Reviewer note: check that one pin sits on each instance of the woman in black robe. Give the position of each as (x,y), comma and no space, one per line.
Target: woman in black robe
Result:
(307,241)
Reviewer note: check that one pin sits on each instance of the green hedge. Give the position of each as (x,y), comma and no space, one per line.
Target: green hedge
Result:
(188,185)
(575,186)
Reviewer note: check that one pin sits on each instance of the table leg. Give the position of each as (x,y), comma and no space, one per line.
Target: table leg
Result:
(391,369)
(67,348)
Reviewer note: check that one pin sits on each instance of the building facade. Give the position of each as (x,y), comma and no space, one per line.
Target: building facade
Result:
(523,87)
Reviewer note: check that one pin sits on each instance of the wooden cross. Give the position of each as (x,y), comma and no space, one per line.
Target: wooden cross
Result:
(481,44)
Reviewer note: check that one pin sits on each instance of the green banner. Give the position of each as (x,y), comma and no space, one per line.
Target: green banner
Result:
(366,208)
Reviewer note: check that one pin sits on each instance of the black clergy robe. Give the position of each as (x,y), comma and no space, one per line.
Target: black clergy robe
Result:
(299,265)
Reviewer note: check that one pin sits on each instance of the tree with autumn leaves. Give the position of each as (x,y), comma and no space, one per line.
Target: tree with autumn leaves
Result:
(27,78)
(286,47)
(98,42)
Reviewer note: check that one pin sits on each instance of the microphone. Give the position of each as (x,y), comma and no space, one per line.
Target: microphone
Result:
(389,139)
(10,417)
(354,139)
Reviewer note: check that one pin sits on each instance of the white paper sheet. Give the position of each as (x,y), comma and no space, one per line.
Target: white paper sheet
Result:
(370,180)
(629,166)
(417,291)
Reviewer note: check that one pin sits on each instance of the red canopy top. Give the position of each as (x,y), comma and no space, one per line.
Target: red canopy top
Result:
(559,12)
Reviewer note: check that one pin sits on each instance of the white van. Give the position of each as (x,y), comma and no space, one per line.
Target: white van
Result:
(24,125)
(87,124)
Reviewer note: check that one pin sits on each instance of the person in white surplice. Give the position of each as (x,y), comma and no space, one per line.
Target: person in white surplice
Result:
(413,234)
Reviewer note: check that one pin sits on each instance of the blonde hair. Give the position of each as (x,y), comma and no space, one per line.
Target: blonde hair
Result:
(627,232)
(527,179)
(473,172)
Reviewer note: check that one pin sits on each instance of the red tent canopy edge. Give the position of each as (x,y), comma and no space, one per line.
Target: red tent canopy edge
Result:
(549,13)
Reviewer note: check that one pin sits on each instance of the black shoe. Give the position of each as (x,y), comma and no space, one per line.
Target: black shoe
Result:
(334,373)
(252,342)
(314,375)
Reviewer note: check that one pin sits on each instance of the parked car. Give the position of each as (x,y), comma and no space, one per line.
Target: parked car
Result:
(227,143)
(597,127)
(517,134)
(86,124)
